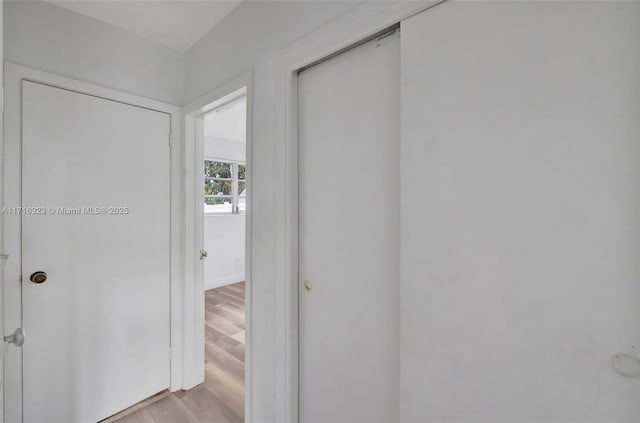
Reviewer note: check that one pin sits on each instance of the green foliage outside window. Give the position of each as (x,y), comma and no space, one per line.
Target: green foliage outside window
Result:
(213,185)
(218,182)
(217,169)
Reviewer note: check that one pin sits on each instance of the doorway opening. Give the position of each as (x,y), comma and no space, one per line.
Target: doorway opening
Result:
(224,208)
(217,299)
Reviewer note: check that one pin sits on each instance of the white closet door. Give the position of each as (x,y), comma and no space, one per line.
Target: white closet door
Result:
(349,235)
(98,327)
(521,212)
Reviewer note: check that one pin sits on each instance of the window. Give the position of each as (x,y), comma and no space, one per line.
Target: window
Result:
(224,187)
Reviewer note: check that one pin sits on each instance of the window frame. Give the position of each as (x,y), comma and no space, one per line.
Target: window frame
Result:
(235,183)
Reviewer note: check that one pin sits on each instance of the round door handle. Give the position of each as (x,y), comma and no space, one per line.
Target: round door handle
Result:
(38,277)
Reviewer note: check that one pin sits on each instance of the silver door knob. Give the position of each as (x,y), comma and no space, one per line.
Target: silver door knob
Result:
(203,254)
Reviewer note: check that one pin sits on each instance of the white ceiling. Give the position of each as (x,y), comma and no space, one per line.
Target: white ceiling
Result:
(177,24)
(228,123)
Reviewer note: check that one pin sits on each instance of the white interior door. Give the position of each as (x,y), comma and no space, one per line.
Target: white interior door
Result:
(98,328)
(349,235)
(520,212)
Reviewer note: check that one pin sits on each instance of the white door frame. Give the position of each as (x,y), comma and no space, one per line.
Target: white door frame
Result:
(194,312)
(2,255)
(13,77)
(348,30)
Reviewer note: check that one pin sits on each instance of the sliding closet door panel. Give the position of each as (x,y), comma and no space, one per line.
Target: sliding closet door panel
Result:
(521,212)
(349,236)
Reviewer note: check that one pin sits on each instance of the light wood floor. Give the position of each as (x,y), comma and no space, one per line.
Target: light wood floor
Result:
(220,399)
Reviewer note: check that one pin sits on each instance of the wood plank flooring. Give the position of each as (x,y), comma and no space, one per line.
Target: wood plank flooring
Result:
(220,399)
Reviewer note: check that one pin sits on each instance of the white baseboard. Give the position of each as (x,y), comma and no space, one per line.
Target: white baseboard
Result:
(225,280)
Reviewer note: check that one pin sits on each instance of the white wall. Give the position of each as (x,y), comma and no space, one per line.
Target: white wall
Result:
(248,39)
(224,241)
(45,37)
